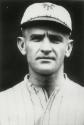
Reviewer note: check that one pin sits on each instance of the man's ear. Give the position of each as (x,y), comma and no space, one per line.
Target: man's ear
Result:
(21,45)
(69,48)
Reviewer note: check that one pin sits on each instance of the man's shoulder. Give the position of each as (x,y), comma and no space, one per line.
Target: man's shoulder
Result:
(13,93)
(10,90)
(15,105)
(75,86)
(75,90)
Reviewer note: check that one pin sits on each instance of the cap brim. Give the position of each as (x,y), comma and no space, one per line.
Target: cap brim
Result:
(46,19)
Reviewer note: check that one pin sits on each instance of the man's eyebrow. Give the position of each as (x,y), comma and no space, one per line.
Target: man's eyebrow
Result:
(55,37)
(32,36)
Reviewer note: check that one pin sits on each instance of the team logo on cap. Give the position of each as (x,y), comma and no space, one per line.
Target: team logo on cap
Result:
(48,6)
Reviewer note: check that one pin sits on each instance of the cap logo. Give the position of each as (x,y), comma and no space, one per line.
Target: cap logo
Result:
(48,6)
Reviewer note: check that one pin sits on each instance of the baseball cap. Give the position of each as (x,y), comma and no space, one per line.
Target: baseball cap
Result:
(47,11)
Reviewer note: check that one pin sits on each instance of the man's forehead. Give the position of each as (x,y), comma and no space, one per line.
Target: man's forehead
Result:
(42,31)
(44,26)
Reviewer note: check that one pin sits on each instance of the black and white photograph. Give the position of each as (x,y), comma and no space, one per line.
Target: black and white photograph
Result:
(41,62)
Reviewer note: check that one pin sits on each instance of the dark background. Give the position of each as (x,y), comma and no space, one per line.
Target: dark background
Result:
(13,65)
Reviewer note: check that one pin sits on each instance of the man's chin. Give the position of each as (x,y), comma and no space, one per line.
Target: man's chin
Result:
(45,72)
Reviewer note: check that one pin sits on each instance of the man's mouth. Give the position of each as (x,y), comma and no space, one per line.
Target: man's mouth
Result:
(45,58)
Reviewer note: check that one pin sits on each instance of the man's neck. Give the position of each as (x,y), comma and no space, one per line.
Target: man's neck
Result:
(48,82)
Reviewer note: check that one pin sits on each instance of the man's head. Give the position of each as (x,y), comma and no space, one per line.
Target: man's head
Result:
(46,29)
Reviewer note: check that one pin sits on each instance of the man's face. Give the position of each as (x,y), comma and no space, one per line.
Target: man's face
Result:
(45,49)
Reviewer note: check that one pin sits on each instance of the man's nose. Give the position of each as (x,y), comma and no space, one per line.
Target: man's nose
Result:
(46,46)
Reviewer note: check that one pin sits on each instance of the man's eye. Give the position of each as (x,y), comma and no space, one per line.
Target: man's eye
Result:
(55,39)
(36,38)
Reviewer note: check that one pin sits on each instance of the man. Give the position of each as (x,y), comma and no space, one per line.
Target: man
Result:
(46,96)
